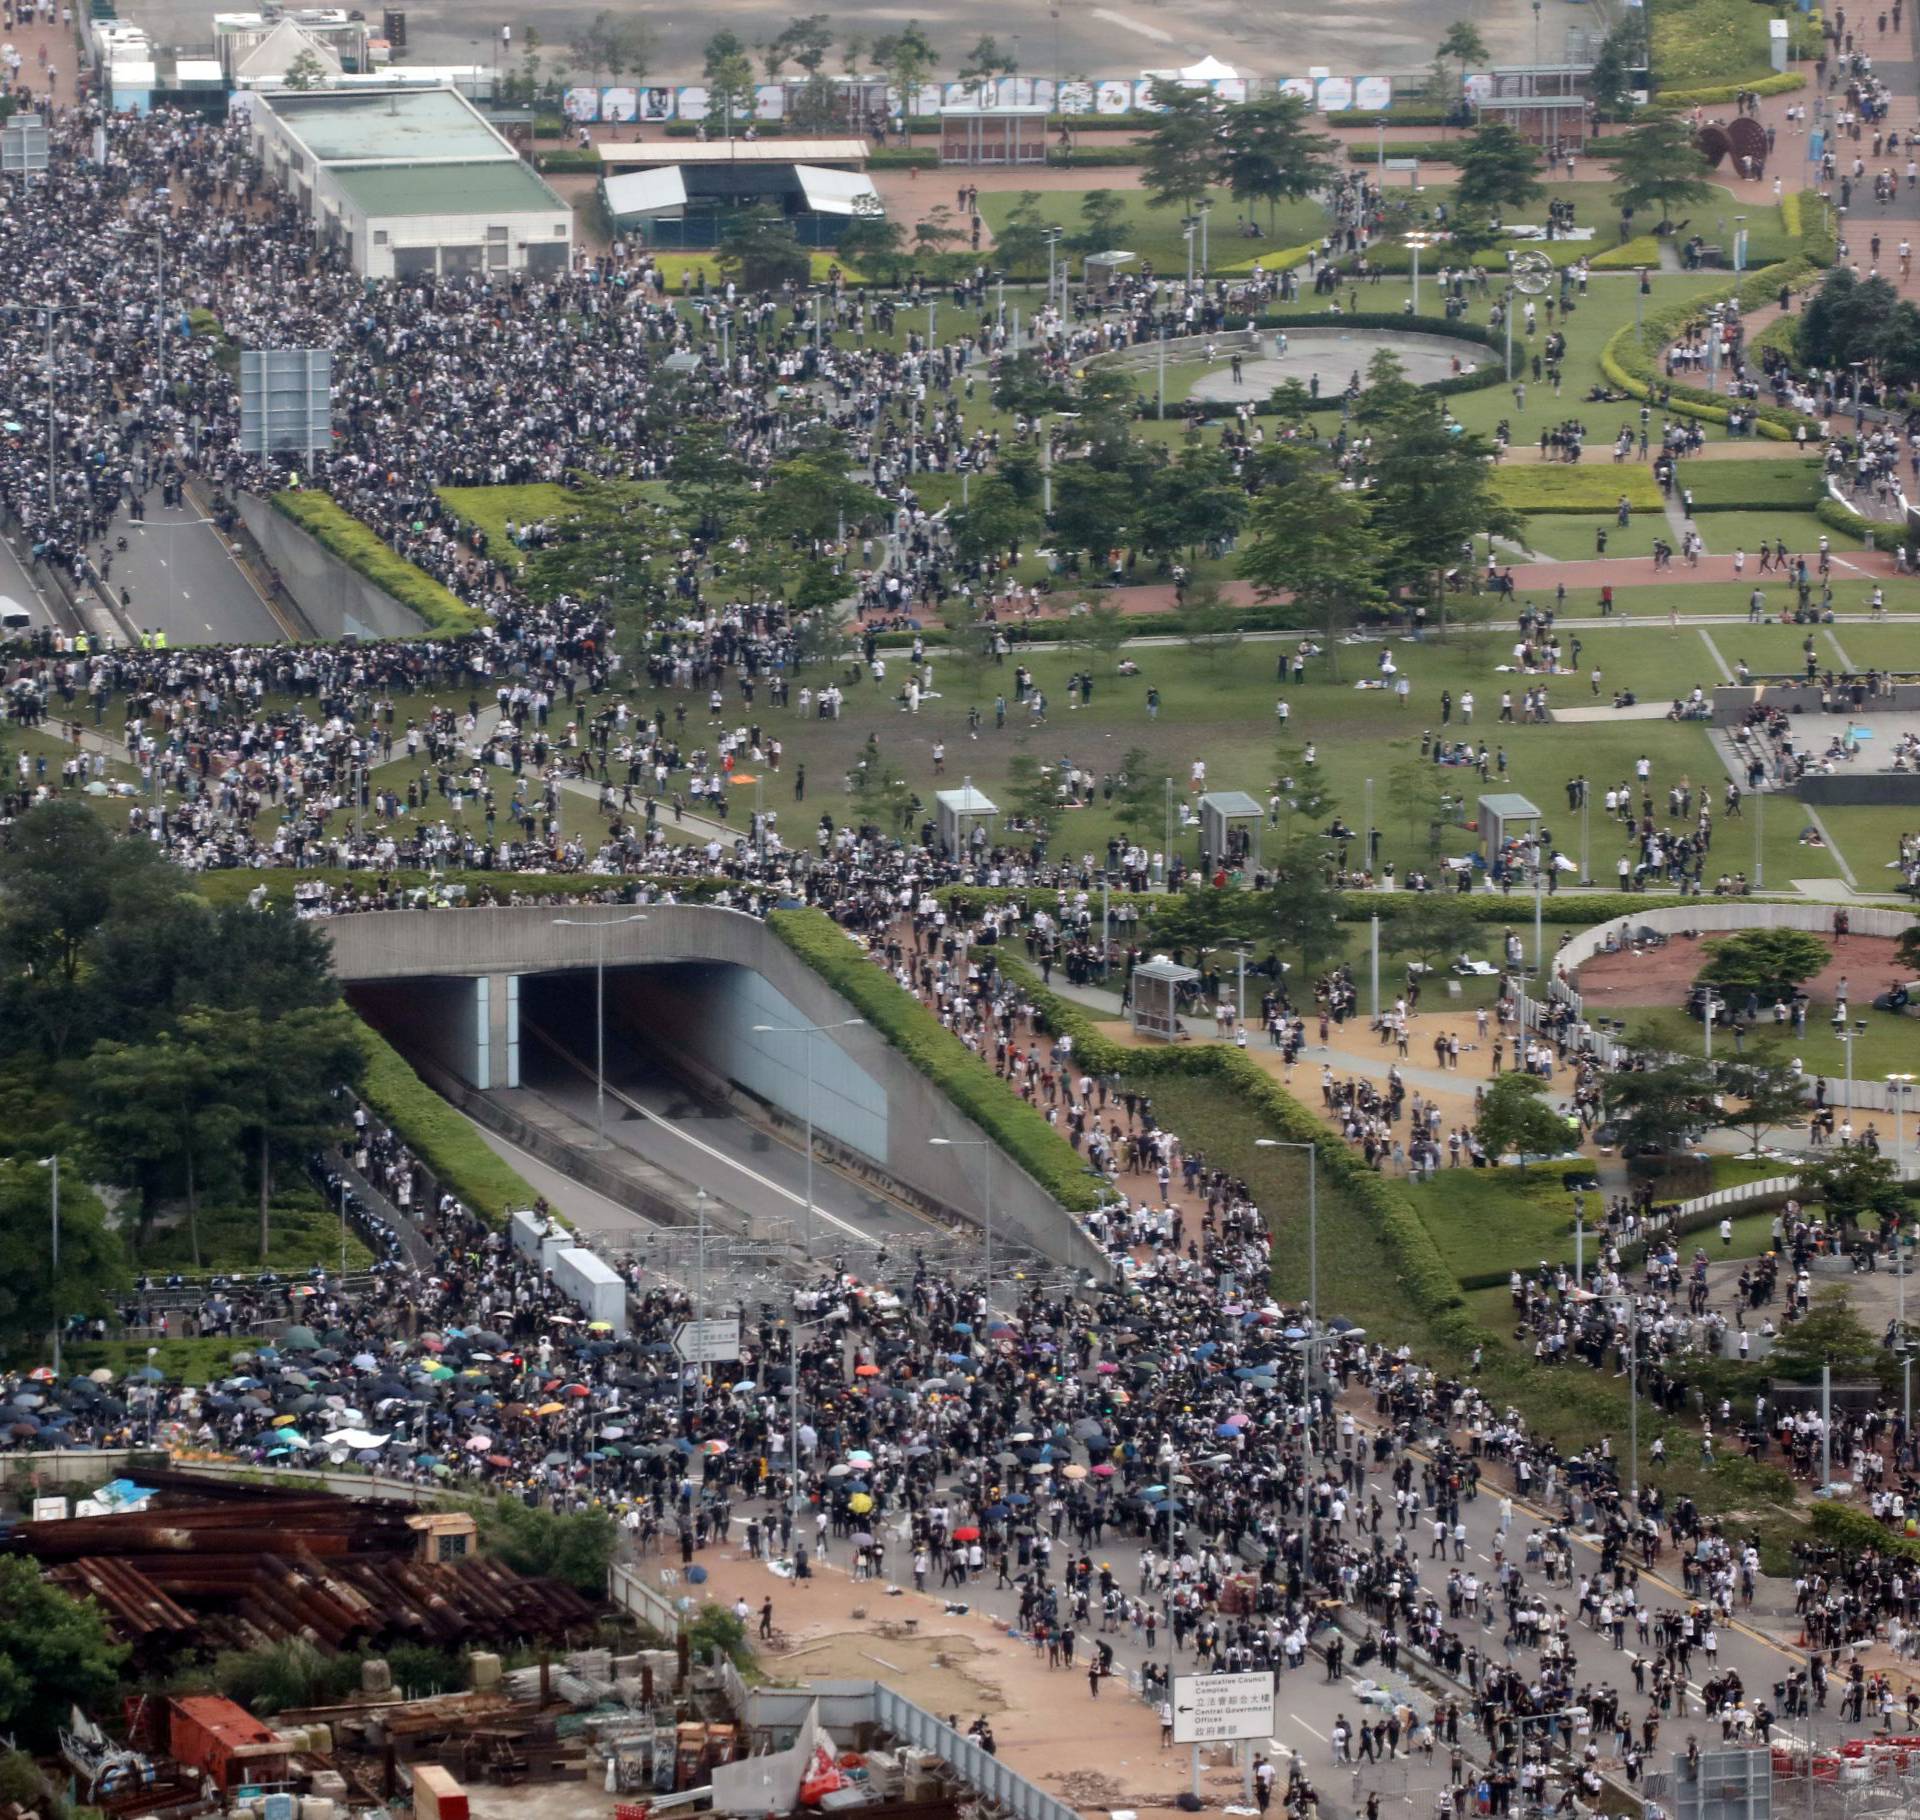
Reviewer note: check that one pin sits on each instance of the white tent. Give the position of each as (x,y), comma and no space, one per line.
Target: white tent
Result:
(836,192)
(279,50)
(1209,69)
(639,193)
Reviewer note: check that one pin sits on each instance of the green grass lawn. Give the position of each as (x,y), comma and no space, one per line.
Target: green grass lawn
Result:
(1155,233)
(302,1234)
(494,508)
(1888,1044)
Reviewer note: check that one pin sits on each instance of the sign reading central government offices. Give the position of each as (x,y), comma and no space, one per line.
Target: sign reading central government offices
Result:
(1210,1709)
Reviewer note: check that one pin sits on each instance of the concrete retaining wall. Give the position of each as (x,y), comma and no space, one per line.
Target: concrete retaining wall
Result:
(338,601)
(407,945)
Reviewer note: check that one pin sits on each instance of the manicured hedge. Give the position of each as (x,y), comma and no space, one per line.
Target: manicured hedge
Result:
(1082,157)
(969,1082)
(1629,255)
(1437,151)
(904,158)
(1855,1531)
(688,129)
(1579,909)
(1849,523)
(1424,1276)
(237,884)
(1284,259)
(1556,486)
(1279,617)
(442,1138)
(361,549)
(571,160)
(1719,94)
(1628,360)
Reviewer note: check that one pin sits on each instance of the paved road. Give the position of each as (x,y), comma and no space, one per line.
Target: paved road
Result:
(17,585)
(183,578)
(651,1113)
(1307,1703)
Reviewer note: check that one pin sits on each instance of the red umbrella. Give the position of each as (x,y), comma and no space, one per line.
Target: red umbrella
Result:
(866,1371)
(966,1533)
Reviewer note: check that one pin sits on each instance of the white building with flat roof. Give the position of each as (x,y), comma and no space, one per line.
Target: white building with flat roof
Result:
(412,181)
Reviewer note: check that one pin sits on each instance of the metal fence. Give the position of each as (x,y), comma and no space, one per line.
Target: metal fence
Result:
(1023,1799)
(627,1588)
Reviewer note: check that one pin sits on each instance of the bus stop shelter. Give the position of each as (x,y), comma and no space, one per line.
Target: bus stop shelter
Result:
(993,135)
(958,813)
(1230,822)
(1155,988)
(1502,818)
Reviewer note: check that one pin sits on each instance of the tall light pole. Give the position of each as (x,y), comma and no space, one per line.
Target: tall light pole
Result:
(1844,1036)
(809,1031)
(53,1163)
(601,925)
(1313,1286)
(985,1147)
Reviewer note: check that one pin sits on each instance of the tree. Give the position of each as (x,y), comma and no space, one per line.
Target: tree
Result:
(1855,1186)
(1021,241)
(1907,949)
(987,60)
(1464,44)
(165,1115)
(1658,162)
(1828,1334)
(1032,793)
(55,1654)
(305,71)
(934,232)
(574,1547)
(611,539)
(729,73)
(1137,794)
(1303,791)
(1299,910)
(1763,1094)
(1092,509)
(1515,1120)
(1498,169)
(816,108)
(909,58)
(1431,926)
(1418,789)
(1192,500)
(808,38)
(1099,629)
(758,251)
(1770,963)
(93,1262)
(1659,1102)
(1210,623)
(1431,490)
(1270,154)
(1866,320)
(1315,539)
(1180,155)
(992,523)
(873,243)
(1103,217)
(1610,81)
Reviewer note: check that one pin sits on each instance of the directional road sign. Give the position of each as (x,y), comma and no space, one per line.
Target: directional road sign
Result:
(708,1342)
(1214,1708)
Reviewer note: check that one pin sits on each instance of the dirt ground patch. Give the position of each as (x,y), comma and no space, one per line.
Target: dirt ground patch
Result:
(945,1674)
(1662,975)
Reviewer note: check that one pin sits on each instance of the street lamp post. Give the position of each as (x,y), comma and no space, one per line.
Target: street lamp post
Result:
(985,1147)
(53,1163)
(1313,1299)
(601,925)
(809,1031)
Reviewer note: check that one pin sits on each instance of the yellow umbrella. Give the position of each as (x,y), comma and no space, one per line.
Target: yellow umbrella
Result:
(551,1409)
(860,1503)
(284,1421)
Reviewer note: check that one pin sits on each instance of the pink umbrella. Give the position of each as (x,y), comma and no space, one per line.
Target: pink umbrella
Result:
(1103,1471)
(1106,1368)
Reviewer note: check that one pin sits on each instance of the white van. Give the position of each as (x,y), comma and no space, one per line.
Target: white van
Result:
(15,620)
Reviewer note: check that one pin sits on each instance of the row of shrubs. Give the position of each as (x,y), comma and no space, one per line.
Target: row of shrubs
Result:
(1017,1128)
(363,550)
(442,1138)
(1629,362)
(1423,1275)
(1578,909)
(1721,94)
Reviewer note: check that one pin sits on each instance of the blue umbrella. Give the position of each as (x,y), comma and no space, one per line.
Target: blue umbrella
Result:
(1229,1431)
(963,1327)
(996,1512)
(1164,1505)
(1206,1349)
(1018,1499)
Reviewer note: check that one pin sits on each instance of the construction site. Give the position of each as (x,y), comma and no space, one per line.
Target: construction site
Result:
(618,1706)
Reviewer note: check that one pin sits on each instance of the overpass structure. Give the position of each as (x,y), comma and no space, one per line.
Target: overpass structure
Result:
(497,1006)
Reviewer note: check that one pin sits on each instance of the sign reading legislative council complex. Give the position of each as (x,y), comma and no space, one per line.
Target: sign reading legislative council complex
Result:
(1215,1708)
